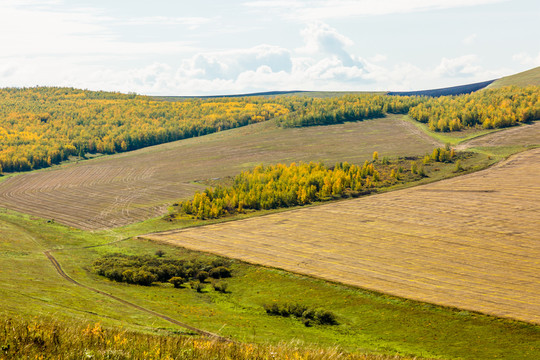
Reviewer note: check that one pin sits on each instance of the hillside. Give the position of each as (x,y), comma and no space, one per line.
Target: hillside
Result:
(406,242)
(525,78)
(454,90)
(466,242)
(125,188)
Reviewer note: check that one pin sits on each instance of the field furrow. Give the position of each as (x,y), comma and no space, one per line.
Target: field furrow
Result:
(130,187)
(471,242)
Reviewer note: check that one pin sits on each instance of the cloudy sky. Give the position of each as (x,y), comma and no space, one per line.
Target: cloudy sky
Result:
(177,47)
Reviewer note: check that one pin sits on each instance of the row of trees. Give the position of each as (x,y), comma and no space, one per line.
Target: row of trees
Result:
(279,186)
(347,108)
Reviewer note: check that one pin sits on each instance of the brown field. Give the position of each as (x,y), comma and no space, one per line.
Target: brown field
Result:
(524,135)
(126,188)
(471,242)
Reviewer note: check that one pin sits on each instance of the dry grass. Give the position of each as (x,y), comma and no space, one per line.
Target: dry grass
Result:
(23,339)
(130,187)
(529,77)
(523,135)
(469,242)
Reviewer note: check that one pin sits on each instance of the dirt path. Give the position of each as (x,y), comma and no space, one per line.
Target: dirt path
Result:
(411,128)
(471,242)
(61,272)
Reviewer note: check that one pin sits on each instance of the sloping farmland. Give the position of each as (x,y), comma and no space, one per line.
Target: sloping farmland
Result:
(130,187)
(471,242)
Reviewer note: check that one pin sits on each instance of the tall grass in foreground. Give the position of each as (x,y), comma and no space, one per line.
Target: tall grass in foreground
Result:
(39,339)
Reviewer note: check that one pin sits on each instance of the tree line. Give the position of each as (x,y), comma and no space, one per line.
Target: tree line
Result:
(281,186)
(347,108)
(489,109)
(43,126)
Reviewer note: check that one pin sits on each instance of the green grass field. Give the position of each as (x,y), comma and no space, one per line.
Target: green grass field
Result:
(529,77)
(369,322)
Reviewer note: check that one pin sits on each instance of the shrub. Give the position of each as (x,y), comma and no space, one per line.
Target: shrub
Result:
(177,281)
(221,287)
(307,315)
(199,287)
(202,276)
(220,272)
(144,278)
(160,253)
(324,317)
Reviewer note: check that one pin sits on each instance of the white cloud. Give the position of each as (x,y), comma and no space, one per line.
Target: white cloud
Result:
(463,66)
(230,64)
(53,43)
(526,59)
(378,58)
(471,39)
(326,9)
(38,31)
(192,23)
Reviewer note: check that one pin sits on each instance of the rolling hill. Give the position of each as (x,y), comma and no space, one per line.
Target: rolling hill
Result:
(467,243)
(525,78)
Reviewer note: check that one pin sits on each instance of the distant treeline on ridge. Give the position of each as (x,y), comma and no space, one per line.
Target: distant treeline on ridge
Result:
(42,126)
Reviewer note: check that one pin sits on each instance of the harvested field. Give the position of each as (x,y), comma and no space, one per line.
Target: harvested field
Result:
(524,135)
(130,187)
(471,242)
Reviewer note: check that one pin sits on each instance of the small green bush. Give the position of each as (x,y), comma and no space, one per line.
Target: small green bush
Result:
(307,315)
(177,281)
(202,276)
(220,287)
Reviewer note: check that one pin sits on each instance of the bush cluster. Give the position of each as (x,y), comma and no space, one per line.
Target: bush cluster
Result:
(144,270)
(302,312)
(446,155)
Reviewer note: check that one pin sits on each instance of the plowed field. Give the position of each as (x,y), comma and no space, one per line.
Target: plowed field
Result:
(471,242)
(130,187)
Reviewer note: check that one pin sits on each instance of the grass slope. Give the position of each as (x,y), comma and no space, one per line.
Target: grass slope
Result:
(525,78)
(368,322)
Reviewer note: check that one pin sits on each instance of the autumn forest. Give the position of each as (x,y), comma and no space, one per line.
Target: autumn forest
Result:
(43,126)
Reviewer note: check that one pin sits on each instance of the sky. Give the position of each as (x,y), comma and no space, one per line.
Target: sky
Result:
(217,47)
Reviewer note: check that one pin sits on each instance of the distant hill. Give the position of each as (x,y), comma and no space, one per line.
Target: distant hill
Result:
(455,90)
(313,94)
(529,77)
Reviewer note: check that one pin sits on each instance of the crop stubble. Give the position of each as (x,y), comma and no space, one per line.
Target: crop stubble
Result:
(130,187)
(471,242)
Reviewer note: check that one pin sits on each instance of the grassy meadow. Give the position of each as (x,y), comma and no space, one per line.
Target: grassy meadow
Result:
(117,198)
(525,78)
(368,322)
